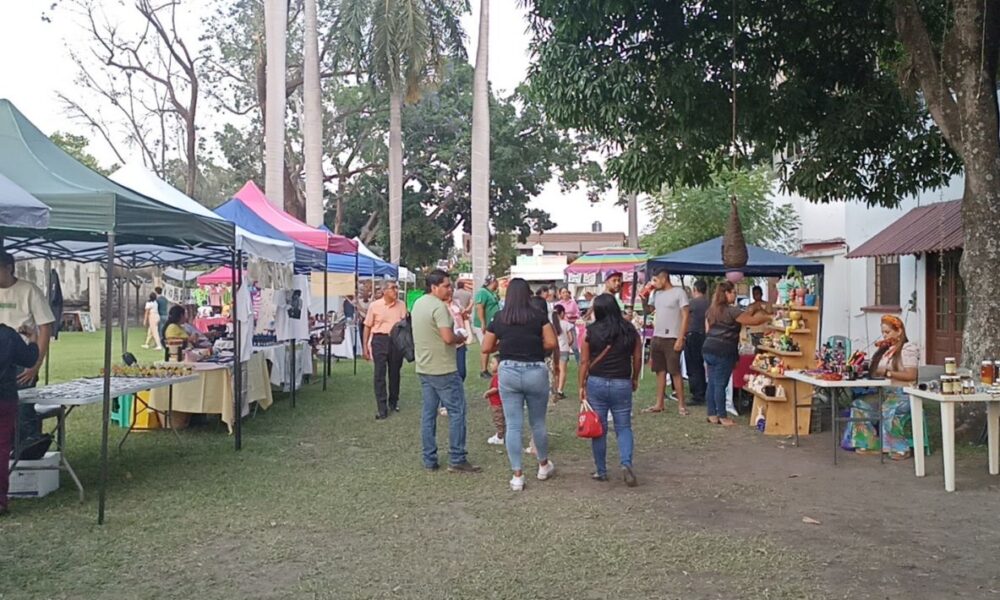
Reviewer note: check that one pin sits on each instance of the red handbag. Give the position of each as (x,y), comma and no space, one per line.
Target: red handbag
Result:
(588,424)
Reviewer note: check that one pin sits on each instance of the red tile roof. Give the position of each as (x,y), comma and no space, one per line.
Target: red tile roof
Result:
(932,228)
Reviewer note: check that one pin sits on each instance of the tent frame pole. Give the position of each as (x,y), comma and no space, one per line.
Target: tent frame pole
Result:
(326,326)
(237,280)
(106,412)
(357,329)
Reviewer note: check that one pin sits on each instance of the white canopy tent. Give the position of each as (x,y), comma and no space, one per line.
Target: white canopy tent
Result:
(404,273)
(140,179)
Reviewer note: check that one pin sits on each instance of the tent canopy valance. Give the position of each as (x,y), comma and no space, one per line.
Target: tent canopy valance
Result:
(319,238)
(85,205)
(706,259)
(137,177)
(366,266)
(18,208)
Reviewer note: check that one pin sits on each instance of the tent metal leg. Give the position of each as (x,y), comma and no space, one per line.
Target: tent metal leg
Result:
(356,292)
(291,374)
(237,280)
(108,329)
(326,327)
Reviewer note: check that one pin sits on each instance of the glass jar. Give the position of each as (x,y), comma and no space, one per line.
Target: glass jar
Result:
(950,366)
(996,373)
(986,373)
(946,388)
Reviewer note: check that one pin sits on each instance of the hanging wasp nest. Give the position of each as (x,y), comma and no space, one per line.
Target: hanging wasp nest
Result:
(734,245)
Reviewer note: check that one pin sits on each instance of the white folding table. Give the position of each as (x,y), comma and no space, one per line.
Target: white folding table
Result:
(81,392)
(948,402)
(834,386)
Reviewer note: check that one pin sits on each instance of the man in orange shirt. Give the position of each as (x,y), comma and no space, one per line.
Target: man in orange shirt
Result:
(382,315)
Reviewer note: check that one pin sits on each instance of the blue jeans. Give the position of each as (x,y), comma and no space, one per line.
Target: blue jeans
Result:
(460,353)
(720,370)
(444,390)
(524,383)
(614,396)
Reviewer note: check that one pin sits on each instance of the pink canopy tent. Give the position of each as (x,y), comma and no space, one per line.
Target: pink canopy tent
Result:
(222,275)
(255,200)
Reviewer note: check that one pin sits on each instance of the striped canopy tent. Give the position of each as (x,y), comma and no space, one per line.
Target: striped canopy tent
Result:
(608,260)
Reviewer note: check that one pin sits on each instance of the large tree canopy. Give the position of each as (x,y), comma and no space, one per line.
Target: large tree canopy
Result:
(824,83)
(861,100)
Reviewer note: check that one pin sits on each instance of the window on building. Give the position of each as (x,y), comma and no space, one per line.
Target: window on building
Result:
(887,281)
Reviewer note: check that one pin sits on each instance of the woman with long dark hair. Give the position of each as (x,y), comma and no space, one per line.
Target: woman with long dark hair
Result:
(523,336)
(723,322)
(610,364)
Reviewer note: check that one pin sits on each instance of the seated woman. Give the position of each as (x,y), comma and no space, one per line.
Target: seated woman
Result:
(175,337)
(896,359)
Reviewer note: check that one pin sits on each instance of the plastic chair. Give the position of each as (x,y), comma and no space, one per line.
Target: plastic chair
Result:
(121,411)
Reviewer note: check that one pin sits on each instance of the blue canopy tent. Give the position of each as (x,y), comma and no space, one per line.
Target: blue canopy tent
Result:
(706,259)
(306,257)
(366,266)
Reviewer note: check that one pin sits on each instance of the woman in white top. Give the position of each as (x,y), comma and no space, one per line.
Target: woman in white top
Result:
(566,334)
(151,320)
(896,359)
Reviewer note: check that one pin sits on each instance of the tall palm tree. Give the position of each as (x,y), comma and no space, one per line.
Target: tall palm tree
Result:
(481,149)
(312,118)
(406,42)
(275,22)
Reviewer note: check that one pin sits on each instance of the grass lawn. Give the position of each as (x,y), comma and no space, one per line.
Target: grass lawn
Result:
(325,502)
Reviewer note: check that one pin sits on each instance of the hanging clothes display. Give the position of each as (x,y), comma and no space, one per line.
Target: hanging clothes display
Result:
(244,314)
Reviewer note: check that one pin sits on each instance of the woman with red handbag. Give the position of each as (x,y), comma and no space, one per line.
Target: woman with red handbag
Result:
(610,364)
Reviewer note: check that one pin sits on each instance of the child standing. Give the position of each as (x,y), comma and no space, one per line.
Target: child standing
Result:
(496,407)
(566,334)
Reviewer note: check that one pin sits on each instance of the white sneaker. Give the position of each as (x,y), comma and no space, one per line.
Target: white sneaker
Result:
(496,440)
(517,483)
(443,411)
(546,471)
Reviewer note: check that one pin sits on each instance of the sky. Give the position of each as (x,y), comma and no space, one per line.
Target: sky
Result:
(42,67)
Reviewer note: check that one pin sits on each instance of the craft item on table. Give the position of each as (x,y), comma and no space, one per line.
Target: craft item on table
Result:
(785,287)
(161,370)
(760,422)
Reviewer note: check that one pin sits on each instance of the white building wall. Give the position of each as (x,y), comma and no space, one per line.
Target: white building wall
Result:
(849,283)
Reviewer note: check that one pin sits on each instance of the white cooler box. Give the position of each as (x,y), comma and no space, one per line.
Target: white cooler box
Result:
(35,484)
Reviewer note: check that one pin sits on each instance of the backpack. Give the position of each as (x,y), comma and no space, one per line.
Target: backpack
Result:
(402,338)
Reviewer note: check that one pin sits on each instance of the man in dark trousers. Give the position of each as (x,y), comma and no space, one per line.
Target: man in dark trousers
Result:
(163,308)
(14,353)
(695,339)
(382,315)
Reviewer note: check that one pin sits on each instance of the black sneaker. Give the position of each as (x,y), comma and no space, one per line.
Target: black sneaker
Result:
(486,375)
(381,417)
(464,467)
(432,468)
(599,476)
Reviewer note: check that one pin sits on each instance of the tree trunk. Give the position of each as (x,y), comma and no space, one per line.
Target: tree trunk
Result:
(481,150)
(395,175)
(313,119)
(958,82)
(192,159)
(274,116)
(338,217)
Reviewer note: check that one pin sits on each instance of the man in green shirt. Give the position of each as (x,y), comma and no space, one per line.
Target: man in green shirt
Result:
(434,343)
(486,305)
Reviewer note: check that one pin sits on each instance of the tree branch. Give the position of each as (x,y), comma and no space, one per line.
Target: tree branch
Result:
(917,41)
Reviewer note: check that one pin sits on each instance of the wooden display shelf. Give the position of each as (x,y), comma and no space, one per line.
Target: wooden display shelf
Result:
(765,397)
(782,329)
(777,352)
(798,308)
(763,372)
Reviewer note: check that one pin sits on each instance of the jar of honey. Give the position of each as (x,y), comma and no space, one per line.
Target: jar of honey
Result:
(950,366)
(948,383)
(996,373)
(986,373)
